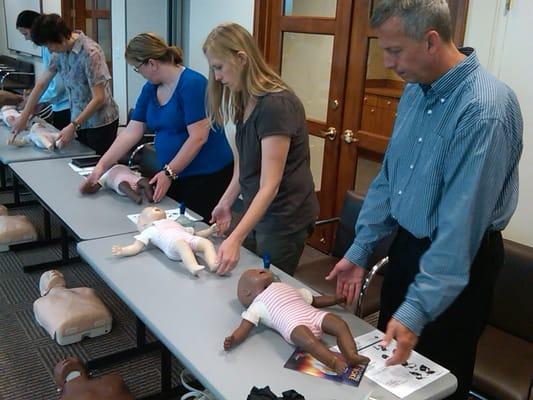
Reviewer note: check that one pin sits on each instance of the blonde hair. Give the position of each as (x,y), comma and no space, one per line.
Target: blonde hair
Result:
(146,46)
(257,77)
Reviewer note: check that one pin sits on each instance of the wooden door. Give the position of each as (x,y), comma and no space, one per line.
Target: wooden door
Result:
(326,52)
(307,42)
(93,17)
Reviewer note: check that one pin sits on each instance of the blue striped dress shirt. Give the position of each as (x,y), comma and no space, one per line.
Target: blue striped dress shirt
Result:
(450,173)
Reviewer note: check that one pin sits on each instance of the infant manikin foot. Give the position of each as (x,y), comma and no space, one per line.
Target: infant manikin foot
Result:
(195,268)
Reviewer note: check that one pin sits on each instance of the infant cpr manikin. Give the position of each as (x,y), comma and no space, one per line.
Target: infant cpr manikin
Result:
(69,315)
(41,134)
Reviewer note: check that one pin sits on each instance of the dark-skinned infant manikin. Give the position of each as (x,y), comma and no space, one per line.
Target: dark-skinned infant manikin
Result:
(73,381)
(295,315)
(123,181)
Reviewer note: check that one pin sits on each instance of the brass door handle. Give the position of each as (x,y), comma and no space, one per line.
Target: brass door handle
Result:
(331,133)
(349,136)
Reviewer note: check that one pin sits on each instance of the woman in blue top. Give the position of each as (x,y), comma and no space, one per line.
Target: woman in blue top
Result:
(55,93)
(196,161)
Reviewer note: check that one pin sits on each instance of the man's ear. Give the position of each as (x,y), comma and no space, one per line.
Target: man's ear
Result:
(243,57)
(433,41)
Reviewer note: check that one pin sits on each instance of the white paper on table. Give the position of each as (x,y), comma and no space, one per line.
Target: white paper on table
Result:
(85,171)
(400,380)
(172,214)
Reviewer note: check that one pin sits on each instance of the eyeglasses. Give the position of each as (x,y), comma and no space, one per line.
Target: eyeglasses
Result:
(136,67)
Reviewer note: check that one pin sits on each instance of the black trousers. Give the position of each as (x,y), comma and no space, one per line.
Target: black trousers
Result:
(201,193)
(99,139)
(60,119)
(451,339)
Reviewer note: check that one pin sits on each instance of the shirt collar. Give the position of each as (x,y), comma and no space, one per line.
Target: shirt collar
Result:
(78,43)
(455,76)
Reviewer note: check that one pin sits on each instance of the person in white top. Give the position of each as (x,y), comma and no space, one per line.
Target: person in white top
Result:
(176,241)
(294,314)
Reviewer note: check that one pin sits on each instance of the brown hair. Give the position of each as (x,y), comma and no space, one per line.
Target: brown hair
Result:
(146,46)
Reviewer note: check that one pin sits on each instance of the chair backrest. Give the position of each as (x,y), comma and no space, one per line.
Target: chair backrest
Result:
(145,159)
(15,81)
(346,229)
(512,305)
(345,233)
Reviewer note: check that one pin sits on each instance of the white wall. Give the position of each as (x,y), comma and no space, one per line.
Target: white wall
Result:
(203,16)
(499,38)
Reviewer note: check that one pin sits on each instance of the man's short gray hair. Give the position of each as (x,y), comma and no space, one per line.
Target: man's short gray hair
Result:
(418,17)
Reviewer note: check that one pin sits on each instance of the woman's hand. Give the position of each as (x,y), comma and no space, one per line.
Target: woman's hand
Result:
(90,184)
(66,135)
(162,184)
(19,125)
(228,255)
(221,216)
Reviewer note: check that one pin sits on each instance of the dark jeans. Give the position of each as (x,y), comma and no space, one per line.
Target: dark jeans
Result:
(60,119)
(284,249)
(451,339)
(201,193)
(99,139)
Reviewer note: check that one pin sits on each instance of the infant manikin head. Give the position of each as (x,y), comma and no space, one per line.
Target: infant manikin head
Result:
(251,283)
(68,369)
(49,280)
(149,215)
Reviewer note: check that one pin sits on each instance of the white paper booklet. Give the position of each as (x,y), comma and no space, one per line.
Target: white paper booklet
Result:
(172,214)
(86,171)
(400,380)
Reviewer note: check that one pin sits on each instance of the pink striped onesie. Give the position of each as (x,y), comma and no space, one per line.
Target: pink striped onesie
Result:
(283,308)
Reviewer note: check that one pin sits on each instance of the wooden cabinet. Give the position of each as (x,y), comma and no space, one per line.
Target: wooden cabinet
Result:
(379,106)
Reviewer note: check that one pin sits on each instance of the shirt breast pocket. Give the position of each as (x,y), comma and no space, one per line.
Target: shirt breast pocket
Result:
(431,161)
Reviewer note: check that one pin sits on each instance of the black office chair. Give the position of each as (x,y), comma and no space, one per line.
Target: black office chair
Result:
(313,273)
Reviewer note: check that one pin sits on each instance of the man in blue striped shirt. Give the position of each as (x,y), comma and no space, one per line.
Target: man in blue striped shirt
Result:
(448,185)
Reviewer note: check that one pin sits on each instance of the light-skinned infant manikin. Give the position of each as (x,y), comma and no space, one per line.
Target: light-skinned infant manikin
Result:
(42,135)
(74,383)
(295,315)
(9,114)
(123,181)
(176,241)
(69,315)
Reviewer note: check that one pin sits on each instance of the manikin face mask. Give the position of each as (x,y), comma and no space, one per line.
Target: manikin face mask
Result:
(51,279)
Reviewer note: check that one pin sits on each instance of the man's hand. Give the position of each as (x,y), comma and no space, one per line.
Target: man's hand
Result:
(405,338)
(350,278)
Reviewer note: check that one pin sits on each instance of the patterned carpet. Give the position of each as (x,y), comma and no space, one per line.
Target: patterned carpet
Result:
(28,355)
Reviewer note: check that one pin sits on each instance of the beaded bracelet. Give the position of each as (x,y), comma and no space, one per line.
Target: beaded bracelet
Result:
(170,173)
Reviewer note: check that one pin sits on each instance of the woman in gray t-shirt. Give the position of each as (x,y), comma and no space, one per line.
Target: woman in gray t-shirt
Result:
(272,168)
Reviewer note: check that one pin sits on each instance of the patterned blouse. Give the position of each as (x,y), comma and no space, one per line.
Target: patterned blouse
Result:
(81,69)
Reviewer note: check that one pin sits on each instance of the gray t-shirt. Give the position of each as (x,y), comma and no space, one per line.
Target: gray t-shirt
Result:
(296,205)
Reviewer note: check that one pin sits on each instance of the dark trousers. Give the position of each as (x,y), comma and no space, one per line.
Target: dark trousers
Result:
(451,339)
(201,193)
(284,250)
(60,119)
(99,139)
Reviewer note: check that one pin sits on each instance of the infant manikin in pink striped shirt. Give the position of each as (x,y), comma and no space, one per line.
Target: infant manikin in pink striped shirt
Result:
(295,315)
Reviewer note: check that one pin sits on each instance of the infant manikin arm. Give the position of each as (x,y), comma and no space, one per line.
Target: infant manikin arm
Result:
(326,301)
(131,250)
(238,335)
(207,232)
